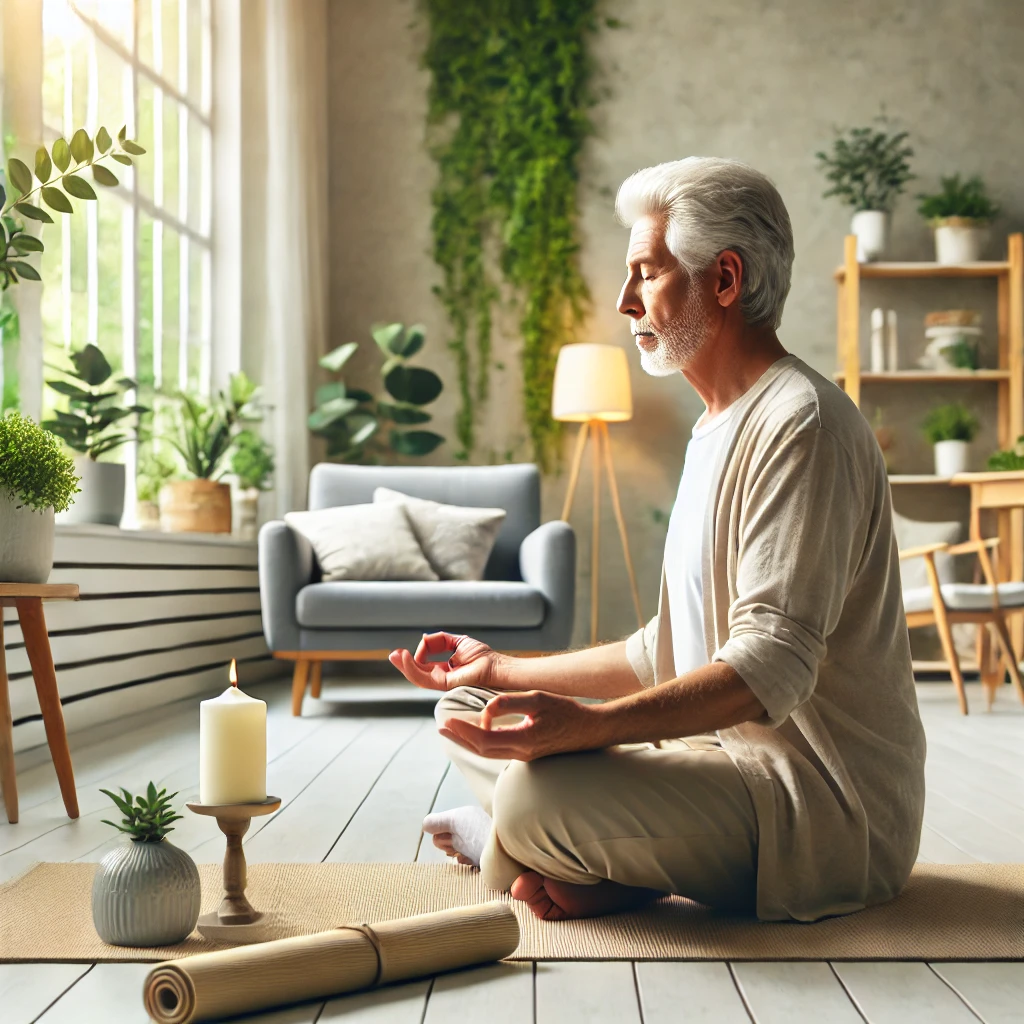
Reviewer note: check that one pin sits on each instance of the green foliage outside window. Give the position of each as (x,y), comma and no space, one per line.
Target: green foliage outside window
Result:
(968,198)
(155,468)
(953,422)
(34,467)
(252,461)
(867,167)
(507,120)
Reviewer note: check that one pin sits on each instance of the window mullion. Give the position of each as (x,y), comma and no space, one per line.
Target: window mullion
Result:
(65,218)
(158,200)
(92,210)
(183,197)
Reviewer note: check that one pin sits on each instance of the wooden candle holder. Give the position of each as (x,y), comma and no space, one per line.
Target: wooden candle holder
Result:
(234,919)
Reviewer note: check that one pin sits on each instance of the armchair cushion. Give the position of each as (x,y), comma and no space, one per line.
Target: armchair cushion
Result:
(910,533)
(453,605)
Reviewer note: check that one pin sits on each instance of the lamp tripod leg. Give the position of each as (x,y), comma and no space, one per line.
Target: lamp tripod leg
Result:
(574,471)
(614,488)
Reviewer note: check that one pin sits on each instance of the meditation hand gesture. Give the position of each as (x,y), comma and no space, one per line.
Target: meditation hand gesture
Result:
(470,662)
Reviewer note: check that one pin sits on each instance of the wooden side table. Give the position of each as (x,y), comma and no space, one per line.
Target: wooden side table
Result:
(28,598)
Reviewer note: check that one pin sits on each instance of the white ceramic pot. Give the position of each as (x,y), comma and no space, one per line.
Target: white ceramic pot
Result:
(26,541)
(950,458)
(871,229)
(145,894)
(101,499)
(246,513)
(958,240)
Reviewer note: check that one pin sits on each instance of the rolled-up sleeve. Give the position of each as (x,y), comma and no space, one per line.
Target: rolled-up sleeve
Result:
(801,530)
(640,652)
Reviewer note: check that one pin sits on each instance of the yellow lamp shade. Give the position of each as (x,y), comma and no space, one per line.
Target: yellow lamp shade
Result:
(592,383)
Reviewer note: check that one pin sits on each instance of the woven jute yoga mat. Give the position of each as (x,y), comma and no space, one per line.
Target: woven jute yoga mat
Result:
(946,912)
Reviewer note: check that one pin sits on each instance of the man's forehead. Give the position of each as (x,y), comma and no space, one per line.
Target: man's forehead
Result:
(646,239)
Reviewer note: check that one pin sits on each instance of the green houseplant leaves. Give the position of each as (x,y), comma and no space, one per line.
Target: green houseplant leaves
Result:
(867,168)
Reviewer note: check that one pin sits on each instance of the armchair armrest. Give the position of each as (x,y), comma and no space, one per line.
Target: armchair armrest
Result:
(285,567)
(924,550)
(973,547)
(547,561)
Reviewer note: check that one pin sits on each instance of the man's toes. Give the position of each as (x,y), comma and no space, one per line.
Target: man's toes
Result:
(527,886)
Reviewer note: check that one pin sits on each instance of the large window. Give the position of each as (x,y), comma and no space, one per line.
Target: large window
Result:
(131,272)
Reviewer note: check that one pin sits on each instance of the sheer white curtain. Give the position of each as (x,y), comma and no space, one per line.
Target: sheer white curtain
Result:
(296,232)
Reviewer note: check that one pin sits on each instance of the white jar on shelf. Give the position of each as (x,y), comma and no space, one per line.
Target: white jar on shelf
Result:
(951,457)
(870,227)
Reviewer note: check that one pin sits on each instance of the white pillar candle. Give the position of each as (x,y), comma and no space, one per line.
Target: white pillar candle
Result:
(232,748)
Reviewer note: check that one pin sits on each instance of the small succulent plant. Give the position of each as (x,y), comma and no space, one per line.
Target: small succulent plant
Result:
(147,819)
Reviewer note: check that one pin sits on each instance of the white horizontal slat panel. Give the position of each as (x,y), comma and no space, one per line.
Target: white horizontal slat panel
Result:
(74,648)
(62,616)
(109,546)
(145,579)
(106,707)
(74,681)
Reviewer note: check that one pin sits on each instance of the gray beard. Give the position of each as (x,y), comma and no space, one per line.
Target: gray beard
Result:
(679,341)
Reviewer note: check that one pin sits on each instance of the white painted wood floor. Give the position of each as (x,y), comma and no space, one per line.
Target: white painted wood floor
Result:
(358,773)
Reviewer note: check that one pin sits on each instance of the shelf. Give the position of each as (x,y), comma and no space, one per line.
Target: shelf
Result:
(983,268)
(917,376)
(919,478)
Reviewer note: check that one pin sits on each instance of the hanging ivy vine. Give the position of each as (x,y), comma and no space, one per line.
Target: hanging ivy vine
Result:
(508,116)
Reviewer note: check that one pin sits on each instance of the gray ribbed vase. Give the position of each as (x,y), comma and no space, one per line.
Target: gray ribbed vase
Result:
(145,894)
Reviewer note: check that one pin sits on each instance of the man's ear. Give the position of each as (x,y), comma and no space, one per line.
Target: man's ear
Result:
(730,277)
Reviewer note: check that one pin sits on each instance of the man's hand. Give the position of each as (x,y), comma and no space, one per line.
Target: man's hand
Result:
(470,662)
(553,725)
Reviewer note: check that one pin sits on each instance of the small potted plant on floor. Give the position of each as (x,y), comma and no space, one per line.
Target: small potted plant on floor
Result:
(37,478)
(252,463)
(92,427)
(868,169)
(950,428)
(960,213)
(146,891)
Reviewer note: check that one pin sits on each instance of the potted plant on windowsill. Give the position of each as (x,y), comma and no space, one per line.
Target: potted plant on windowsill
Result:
(37,478)
(155,468)
(252,463)
(868,169)
(960,214)
(90,427)
(950,428)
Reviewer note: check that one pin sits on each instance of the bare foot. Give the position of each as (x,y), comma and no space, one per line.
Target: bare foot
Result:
(552,900)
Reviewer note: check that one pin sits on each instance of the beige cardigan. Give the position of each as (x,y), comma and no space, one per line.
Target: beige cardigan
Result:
(802,597)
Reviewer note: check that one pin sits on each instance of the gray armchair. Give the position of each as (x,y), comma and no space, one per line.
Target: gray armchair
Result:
(524,603)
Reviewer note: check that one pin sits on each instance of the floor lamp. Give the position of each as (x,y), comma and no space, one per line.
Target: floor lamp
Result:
(592,388)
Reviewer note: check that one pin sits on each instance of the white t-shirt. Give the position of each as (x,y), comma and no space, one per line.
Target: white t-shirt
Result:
(684,544)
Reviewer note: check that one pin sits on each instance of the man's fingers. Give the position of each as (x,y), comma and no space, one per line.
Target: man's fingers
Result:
(404,662)
(481,741)
(525,703)
(435,643)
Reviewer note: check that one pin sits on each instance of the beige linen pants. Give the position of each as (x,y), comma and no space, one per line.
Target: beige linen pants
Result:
(676,818)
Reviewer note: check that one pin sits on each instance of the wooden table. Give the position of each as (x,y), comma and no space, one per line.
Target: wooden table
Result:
(28,598)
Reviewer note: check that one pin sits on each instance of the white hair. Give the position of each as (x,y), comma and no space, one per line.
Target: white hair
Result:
(710,205)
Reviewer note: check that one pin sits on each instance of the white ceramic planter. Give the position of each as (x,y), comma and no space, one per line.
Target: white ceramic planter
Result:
(246,513)
(958,241)
(145,894)
(871,229)
(26,541)
(101,499)
(950,458)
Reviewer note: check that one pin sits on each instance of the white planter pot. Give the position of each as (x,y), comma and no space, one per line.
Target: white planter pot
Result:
(958,241)
(951,458)
(871,229)
(246,514)
(26,541)
(101,499)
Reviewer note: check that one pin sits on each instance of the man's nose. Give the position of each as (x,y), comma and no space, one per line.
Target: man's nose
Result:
(629,303)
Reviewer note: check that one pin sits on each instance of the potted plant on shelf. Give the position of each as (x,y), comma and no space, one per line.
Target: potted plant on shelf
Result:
(91,427)
(146,892)
(867,169)
(950,428)
(155,468)
(960,212)
(351,419)
(252,463)
(203,436)
(1011,461)
(37,478)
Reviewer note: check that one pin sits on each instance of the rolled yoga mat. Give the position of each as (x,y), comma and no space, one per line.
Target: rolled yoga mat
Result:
(245,979)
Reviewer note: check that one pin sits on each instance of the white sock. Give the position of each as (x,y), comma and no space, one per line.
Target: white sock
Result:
(469,826)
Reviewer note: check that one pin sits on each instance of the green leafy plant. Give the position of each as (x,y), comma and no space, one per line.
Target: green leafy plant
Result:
(867,167)
(155,468)
(360,427)
(962,354)
(507,120)
(55,179)
(90,424)
(252,461)
(953,422)
(1008,461)
(958,198)
(147,819)
(34,467)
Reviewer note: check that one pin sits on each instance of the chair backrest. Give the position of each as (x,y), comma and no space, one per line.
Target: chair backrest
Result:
(515,488)
(912,533)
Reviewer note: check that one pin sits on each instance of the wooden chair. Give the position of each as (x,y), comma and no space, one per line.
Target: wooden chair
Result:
(982,604)
(28,598)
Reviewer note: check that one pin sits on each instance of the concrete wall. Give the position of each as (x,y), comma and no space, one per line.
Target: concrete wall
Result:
(763,82)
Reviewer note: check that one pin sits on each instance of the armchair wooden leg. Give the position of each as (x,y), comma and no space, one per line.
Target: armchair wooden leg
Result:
(1011,659)
(8,779)
(315,679)
(37,645)
(946,636)
(299,685)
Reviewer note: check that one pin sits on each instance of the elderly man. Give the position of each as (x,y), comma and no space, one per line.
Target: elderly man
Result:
(758,745)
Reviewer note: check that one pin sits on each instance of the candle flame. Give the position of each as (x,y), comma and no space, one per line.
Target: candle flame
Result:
(233,673)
